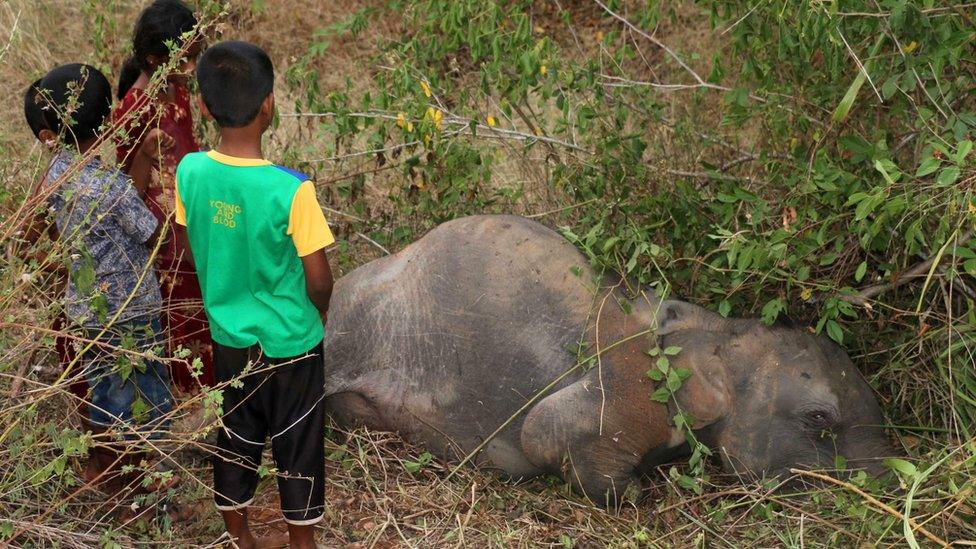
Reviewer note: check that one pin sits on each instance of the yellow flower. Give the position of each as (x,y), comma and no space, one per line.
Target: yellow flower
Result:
(401,119)
(409,126)
(599,36)
(538,131)
(436,115)
(972,208)
(491,121)
(543,70)
(426,88)
(911,47)
(806,294)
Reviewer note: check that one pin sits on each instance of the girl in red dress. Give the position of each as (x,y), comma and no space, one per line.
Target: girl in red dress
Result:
(162,24)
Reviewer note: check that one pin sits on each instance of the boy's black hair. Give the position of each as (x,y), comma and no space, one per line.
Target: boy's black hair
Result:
(32,109)
(161,22)
(235,78)
(77,95)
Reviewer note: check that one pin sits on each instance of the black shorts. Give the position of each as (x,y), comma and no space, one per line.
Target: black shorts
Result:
(283,399)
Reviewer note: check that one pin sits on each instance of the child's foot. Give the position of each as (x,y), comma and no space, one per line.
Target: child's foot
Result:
(176,512)
(265,542)
(92,473)
(271,542)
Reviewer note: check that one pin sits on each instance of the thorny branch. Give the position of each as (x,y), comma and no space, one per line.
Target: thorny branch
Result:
(918,270)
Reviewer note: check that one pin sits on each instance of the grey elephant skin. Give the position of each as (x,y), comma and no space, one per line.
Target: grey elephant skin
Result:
(479,324)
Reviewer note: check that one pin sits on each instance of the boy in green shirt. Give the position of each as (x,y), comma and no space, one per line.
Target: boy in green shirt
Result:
(258,239)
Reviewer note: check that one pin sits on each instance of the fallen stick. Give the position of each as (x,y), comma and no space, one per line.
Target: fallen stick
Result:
(916,271)
(873,501)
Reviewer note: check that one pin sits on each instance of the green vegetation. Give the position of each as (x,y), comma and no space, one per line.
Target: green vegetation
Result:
(809,160)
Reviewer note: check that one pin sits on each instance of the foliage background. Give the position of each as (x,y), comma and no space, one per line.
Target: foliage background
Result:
(808,159)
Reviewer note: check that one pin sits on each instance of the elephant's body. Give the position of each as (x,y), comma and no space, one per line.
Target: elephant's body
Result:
(480,323)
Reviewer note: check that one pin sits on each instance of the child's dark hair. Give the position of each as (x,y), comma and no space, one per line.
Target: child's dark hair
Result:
(235,78)
(78,95)
(32,109)
(163,21)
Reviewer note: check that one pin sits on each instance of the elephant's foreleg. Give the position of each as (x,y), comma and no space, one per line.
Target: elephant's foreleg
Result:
(594,437)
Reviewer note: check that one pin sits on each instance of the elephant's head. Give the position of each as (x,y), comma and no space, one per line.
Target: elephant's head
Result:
(771,398)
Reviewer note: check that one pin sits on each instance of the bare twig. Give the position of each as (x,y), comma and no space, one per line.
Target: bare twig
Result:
(918,270)
(873,501)
(374,243)
(701,82)
(456,122)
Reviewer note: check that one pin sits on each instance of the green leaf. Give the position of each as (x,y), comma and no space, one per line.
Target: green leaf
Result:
(674,382)
(724,308)
(661,395)
(888,169)
(866,206)
(845,105)
(861,269)
(855,198)
(835,332)
(412,466)
(689,483)
(963,150)
(140,410)
(970,266)
(947,176)
(889,87)
(928,166)
(904,467)
(663,363)
(672,350)
(609,243)
(771,310)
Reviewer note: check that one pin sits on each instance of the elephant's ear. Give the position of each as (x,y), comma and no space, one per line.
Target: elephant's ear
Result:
(706,394)
(674,316)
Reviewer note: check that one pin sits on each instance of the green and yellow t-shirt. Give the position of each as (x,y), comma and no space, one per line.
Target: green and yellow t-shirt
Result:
(250,222)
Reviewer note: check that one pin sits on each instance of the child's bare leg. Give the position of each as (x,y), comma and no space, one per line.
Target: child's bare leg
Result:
(237,527)
(236,524)
(301,537)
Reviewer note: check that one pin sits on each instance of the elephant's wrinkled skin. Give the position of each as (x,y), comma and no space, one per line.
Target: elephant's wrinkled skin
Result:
(447,339)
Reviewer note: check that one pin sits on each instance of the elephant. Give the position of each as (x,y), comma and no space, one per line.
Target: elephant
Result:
(492,338)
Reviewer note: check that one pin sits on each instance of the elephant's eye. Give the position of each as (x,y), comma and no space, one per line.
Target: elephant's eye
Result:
(818,419)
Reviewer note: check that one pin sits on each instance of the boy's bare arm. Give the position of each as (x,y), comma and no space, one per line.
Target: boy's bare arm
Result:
(34,227)
(318,280)
(181,236)
(153,147)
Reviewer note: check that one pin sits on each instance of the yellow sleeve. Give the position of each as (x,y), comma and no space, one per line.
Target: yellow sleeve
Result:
(306,223)
(179,210)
